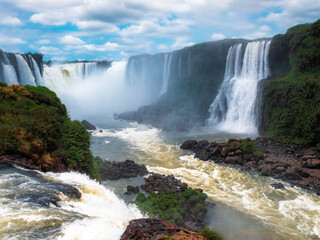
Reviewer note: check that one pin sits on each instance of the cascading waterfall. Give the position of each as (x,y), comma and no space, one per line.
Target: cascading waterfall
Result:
(25,74)
(38,77)
(233,108)
(20,69)
(10,76)
(189,63)
(166,73)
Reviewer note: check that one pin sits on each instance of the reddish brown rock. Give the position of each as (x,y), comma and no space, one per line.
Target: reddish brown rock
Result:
(306,157)
(147,228)
(313,163)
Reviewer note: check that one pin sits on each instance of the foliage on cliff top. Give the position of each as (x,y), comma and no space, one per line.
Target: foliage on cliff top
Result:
(172,207)
(292,103)
(35,124)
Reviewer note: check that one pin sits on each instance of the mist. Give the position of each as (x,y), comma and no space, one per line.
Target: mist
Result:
(92,93)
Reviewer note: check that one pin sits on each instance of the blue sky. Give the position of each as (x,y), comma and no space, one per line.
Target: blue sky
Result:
(117,29)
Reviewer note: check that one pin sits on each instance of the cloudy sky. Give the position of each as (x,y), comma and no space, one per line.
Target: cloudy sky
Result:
(116,29)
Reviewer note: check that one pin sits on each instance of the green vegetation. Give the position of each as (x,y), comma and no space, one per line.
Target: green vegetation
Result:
(210,234)
(291,105)
(35,124)
(172,207)
(245,145)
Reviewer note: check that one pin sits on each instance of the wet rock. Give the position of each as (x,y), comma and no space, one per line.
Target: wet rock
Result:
(202,154)
(306,157)
(126,169)
(232,160)
(277,185)
(290,162)
(291,174)
(70,191)
(147,228)
(132,190)
(203,144)
(265,169)
(313,163)
(88,125)
(52,199)
(189,145)
(163,183)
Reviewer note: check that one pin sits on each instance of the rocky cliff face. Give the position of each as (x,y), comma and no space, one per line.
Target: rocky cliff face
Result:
(185,81)
(290,100)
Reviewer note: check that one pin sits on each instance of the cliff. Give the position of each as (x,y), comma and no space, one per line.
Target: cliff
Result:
(290,100)
(193,76)
(36,132)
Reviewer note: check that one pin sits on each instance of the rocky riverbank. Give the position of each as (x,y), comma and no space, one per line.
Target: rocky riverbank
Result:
(146,228)
(172,206)
(292,163)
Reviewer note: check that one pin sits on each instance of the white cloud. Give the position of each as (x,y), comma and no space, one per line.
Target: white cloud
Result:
(108,46)
(6,40)
(50,50)
(178,44)
(218,36)
(43,41)
(152,29)
(10,21)
(294,12)
(265,28)
(71,40)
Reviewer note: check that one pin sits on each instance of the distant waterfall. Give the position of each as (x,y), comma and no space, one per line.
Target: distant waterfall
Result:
(233,109)
(59,77)
(166,73)
(19,69)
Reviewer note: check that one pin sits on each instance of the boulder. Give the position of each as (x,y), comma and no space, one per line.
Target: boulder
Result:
(132,190)
(88,125)
(189,145)
(147,228)
(126,169)
(163,183)
(313,163)
(277,185)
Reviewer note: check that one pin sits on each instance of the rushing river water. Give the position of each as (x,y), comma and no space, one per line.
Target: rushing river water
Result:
(246,206)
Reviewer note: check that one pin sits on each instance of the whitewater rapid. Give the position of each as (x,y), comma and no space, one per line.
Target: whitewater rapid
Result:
(98,215)
(291,213)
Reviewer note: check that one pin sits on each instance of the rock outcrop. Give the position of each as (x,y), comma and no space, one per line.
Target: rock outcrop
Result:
(147,228)
(269,157)
(88,125)
(117,170)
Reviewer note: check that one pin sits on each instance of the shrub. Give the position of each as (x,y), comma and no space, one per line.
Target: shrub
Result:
(34,123)
(171,207)
(210,234)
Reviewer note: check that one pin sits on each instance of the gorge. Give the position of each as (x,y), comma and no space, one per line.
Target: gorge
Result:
(232,88)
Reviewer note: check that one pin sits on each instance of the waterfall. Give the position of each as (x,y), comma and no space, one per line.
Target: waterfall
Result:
(233,109)
(38,77)
(166,73)
(24,72)
(180,67)
(20,69)
(96,91)
(189,64)
(10,76)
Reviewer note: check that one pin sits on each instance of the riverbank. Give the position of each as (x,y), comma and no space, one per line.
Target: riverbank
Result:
(298,165)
